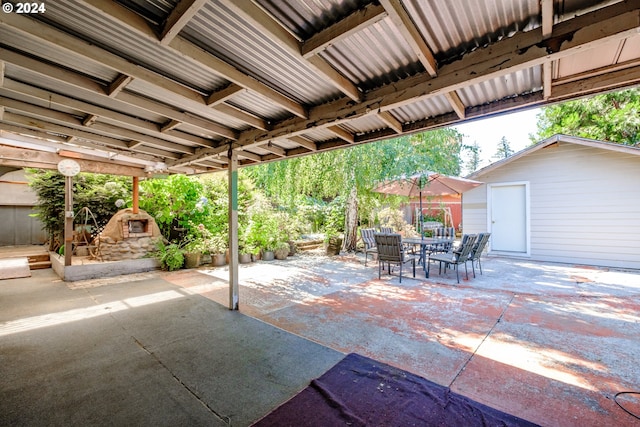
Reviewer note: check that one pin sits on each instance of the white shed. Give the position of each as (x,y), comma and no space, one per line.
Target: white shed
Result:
(565,199)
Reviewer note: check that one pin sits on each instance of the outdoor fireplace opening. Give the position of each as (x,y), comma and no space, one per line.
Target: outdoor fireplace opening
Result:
(138,226)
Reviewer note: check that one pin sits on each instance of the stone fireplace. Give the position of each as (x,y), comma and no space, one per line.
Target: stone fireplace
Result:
(128,235)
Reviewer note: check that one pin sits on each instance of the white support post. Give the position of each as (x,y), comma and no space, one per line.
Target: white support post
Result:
(233,230)
(68,219)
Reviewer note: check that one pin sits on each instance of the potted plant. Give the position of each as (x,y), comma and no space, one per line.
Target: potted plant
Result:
(193,252)
(217,246)
(171,256)
(281,250)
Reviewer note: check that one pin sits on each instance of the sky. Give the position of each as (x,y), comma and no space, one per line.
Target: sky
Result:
(515,127)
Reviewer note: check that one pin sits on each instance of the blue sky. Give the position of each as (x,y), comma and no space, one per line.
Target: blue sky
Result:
(516,127)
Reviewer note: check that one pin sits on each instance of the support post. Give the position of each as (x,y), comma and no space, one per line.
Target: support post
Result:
(68,219)
(233,230)
(135,195)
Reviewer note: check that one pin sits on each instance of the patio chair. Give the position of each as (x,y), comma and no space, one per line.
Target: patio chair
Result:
(476,251)
(390,251)
(444,233)
(369,242)
(386,230)
(455,257)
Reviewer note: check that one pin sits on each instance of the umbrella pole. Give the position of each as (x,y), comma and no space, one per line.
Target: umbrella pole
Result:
(420,219)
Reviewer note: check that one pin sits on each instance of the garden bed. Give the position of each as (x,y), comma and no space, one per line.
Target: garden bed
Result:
(83,268)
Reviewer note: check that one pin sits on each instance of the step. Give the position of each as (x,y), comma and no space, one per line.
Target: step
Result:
(39,265)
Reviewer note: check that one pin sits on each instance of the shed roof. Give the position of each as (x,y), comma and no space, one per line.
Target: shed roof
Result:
(554,140)
(160,84)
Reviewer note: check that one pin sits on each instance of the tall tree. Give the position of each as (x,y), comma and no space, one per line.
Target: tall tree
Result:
(473,162)
(613,117)
(504,149)
(353,172)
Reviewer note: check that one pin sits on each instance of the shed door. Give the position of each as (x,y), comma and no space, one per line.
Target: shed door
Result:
(509,218)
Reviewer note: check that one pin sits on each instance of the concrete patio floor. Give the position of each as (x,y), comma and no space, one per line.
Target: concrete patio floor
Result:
(550,343)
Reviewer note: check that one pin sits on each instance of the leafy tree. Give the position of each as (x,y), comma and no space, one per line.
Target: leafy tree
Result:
(613,117)
(504,149)
(353,172)
(97,192)
(473,162)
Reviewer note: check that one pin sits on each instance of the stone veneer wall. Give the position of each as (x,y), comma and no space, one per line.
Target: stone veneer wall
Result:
(110,250)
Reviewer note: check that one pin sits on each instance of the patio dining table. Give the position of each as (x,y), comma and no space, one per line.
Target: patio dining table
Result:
(428,245)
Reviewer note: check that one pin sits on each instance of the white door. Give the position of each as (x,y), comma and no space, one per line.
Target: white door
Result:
(508,218)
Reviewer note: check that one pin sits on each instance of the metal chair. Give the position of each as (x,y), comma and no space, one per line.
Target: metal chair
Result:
(386,230)
(476,251)
(369,242)
(390,251)
(455,257)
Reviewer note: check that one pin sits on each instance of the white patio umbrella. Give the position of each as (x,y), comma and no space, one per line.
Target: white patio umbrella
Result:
(427,183)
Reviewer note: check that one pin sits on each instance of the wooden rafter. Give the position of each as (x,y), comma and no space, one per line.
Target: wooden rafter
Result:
(97,92)
(274,30)
(358,20)
(342,134)
(524,50)
(390,121)
(118,85)
(142,126)
(178,18)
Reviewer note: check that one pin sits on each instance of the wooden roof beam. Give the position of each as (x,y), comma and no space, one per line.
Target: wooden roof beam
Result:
(522,51)
(407,28)
(357,21)
(222,95)
(179,18)
(118,85)
(546,12)
(249,155)
(171,124)
(271,147)
(18,157)
(50,35)
(390,121)
(138,125)
(456,103)
(304,142)
(276,32)
(47,116)
(98,91)
(342,134)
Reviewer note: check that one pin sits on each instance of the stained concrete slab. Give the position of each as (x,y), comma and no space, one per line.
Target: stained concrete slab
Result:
(141,352)
(551,343)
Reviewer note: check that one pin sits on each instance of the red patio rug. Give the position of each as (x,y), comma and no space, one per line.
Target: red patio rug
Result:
(359,391)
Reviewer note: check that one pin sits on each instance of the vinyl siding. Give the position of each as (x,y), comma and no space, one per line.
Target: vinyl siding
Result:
(585,204)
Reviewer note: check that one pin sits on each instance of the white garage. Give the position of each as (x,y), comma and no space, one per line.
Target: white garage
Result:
(565,199)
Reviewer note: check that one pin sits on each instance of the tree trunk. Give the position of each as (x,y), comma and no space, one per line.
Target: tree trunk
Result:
(351,221)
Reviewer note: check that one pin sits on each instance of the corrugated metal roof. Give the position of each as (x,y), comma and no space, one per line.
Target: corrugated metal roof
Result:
(223,33)
(272,83)
(116,37)
(453,27)
(304,18)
